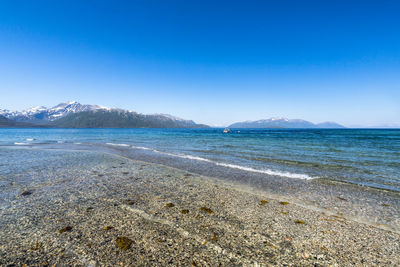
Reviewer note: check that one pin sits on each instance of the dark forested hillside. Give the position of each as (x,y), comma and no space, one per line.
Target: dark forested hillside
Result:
(120,119)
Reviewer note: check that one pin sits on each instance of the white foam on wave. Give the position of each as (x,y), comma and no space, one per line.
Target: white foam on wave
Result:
(60,142)
(30,139)
(267,171)
(20,144)
(112,144)
(233,166)
(77,143)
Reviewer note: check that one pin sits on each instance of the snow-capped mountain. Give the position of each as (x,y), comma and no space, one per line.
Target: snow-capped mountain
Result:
(280,122)
(42,114)
(52,116)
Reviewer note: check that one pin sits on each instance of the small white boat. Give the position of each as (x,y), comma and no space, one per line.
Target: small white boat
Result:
(227,130)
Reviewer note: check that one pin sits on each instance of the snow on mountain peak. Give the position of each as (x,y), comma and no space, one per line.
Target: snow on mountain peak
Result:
(50,114)
(279,119)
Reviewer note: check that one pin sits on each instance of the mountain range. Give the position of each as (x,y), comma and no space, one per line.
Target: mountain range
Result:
(75,115)
(284,123)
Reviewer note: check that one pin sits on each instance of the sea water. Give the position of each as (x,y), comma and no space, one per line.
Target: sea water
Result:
(366,157)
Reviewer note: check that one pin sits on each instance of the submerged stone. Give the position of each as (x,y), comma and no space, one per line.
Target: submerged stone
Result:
(207,210)
(26,193)
(108,227)
(184,211)
(129,202)
(89,209)
(169,205)
(65,229)
(123,243)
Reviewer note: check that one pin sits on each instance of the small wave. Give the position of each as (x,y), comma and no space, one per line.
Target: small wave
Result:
(30,139)
(112,144)
(60,142)
(268,171)
(77,143)
(233,166)
(142,147)
(21,144)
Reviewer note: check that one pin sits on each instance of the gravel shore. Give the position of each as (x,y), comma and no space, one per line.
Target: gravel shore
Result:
(92,209)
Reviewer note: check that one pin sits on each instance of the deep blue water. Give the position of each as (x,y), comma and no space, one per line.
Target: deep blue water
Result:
(369,157)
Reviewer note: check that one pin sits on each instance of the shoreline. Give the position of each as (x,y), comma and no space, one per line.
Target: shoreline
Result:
(368,205)
(170,216)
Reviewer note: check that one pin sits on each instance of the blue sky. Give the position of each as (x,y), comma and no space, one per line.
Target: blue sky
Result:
(215,62)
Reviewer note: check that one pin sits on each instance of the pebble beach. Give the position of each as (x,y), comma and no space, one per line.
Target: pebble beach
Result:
(75,208)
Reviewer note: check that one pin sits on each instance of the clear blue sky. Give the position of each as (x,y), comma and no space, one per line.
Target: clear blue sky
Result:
(215,62)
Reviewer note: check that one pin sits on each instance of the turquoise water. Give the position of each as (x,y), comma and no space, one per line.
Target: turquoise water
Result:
(367,157)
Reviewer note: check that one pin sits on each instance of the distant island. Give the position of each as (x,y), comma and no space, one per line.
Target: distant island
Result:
(285,123)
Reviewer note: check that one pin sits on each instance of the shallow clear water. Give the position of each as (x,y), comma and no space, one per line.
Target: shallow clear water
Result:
(368,157)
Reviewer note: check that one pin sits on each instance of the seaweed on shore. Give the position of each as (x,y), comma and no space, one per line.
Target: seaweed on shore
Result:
(300,222)
(123,243)
(129,202)
(169,205)
(284,203)
(184,211)
(263,202)
(108,227)
(206,210)
(214,237)
(37,246)
(65,229)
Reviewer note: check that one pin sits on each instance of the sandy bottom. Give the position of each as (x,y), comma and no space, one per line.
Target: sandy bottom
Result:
(90,209)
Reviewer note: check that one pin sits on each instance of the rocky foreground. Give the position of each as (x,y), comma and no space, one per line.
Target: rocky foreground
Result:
(90,209)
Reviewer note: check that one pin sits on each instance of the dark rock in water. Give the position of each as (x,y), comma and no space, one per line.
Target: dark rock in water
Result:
(123,243)
(89,209)
(65,229)
(207,210)
(26,193)
(169,205)
(125,173)
(108,227)
(184,211)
